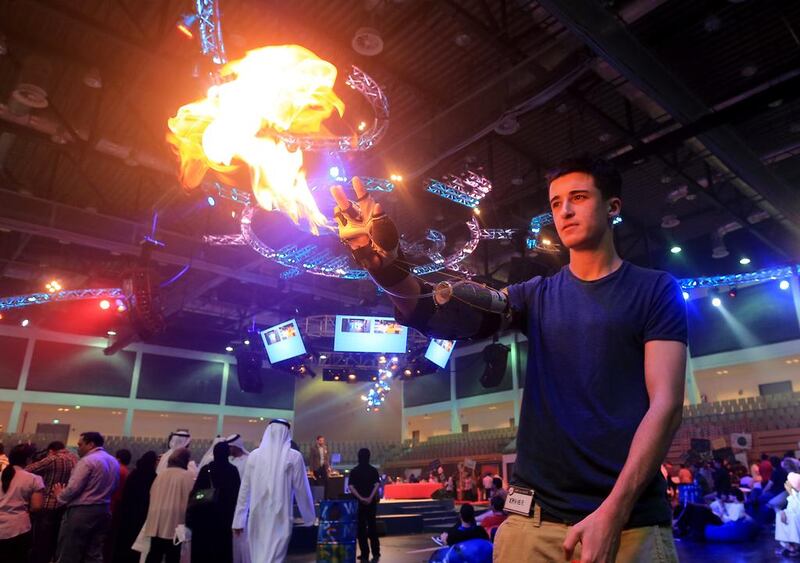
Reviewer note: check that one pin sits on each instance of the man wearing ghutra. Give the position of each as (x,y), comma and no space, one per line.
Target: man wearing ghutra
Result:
(239,453)
(274,473)
(177,439)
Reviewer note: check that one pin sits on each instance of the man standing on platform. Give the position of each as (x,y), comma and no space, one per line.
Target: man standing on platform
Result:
(320,463)
(364,484)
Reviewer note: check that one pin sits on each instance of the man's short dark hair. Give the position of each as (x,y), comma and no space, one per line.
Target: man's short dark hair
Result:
(764,457)
(467,513)
(363,455)
(94,437)
(55,446)
(320,436)
(497,482)
(607,178)
(498,502)
(124,456)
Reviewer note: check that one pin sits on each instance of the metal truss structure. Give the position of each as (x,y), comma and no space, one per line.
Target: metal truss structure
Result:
(208,14)
(467,189)
(745,278)
(18,301)
(365,85)
(498,234)
(453,261)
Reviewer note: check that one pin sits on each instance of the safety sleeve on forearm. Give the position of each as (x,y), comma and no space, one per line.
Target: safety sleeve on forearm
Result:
(455,320)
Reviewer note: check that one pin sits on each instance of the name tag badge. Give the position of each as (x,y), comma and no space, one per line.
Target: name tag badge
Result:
(519,500)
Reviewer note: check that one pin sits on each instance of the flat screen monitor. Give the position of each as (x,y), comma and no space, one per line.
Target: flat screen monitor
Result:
(358,333)
(283,341)
(439,351)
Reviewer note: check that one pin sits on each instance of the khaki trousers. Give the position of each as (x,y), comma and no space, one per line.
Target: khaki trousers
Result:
(529,540)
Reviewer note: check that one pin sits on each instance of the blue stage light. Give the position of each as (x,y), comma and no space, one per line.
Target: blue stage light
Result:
(784,285)
(333,171)
(716,302)
(685,295)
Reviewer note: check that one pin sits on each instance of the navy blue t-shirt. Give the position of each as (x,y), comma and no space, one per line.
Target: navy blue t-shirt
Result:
(585,392)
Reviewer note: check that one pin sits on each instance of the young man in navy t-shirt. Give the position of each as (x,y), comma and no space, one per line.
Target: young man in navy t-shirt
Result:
(604,389)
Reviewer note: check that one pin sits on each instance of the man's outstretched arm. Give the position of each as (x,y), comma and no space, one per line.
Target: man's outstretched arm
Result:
(375,243)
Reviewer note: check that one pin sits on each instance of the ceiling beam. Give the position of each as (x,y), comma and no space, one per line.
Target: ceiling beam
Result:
(607,36)
(625,163)
(43,218)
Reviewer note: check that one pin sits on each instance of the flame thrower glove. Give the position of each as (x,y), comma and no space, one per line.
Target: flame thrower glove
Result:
(360,218)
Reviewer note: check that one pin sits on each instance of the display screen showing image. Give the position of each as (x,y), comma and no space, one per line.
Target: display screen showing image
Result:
(283,341)
(439,351)
(358,333)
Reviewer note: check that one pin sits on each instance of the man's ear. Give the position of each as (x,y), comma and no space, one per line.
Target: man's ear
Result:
(614,207)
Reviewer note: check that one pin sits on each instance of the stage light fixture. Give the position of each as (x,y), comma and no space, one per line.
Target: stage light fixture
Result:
(685,295)
(716,302)
(53,286)
(676,249)
(476,210)
(744,260)
(247,342)
(105,304)
(185,24)
(211,201)
(111,333)
(25,322)
(732,292)
(333,171)
(362,126)
(784,285)
(351,377)
(229,348)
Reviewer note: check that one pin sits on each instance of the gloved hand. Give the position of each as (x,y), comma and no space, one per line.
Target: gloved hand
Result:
(371,235)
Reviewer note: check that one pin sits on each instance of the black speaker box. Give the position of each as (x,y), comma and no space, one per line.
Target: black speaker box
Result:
(496,358)
(248,371)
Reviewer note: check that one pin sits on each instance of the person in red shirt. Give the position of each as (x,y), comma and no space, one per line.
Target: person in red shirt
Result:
(765,468)
(124,459)
(495,516)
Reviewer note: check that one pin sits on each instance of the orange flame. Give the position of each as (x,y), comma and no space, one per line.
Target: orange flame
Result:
(271,90)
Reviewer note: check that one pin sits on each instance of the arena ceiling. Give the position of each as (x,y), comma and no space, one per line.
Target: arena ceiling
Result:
(697,103)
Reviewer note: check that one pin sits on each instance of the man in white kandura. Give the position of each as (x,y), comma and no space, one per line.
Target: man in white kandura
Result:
(274,473)
(177,439)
